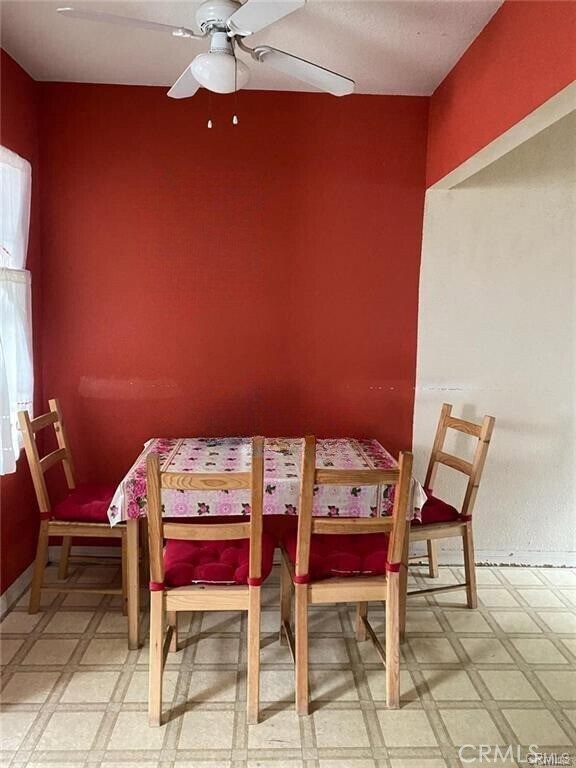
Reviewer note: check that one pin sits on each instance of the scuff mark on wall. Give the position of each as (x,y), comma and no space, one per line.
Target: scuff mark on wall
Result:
(128,389)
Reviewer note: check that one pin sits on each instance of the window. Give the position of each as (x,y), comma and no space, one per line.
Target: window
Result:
(16,371)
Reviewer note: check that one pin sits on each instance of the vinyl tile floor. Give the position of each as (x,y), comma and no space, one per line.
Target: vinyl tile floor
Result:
(502,677)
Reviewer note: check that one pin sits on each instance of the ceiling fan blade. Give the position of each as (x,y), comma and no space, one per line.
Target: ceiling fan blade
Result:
(313,74)
(112,18)
(254,15)
(185,86)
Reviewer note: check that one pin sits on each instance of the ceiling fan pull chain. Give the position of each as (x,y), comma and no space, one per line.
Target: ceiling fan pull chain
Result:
(235,116)
(209,124)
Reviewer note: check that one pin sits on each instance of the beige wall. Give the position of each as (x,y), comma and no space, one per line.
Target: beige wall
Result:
(497,334)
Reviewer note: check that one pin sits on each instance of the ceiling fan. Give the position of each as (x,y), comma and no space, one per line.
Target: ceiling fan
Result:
(227,23)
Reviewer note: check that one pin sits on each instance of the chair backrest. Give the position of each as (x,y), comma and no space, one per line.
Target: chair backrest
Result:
(159,529)
(39,466)
(473,469)
(394,524)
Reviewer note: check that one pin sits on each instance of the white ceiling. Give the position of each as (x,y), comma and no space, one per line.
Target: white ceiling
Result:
(403,47)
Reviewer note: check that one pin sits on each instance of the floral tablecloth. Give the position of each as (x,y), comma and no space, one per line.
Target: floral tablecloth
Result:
(282,460)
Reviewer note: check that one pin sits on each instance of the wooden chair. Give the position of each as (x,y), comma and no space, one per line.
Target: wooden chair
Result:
(177,585)
(302,556)
(439,519)
(83,513)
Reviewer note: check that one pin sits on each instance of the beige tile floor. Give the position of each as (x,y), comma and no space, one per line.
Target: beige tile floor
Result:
(74,696)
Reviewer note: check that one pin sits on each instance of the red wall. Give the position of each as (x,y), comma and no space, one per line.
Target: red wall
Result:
(238,280)
(261,278)
(19,132)
(524,56)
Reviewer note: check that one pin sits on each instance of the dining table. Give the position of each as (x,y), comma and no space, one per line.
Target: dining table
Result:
(282,475)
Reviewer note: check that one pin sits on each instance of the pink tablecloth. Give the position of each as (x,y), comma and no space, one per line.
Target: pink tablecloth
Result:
(282,458)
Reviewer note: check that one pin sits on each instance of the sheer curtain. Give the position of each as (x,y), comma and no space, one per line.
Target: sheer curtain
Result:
(16,371)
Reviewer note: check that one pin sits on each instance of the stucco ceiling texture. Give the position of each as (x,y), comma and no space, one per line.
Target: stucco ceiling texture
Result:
(386,47)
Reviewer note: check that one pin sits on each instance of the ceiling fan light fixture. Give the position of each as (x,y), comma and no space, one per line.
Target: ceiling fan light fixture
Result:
(220,72)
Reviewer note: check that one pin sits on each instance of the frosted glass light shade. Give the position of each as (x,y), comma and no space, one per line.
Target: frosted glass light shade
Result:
(220,72)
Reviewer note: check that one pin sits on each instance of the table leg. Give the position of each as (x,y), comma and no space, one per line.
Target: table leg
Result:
(133,584)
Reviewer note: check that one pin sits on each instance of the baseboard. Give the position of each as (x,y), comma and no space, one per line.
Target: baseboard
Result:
(15,590)
(506,557)
(530,557)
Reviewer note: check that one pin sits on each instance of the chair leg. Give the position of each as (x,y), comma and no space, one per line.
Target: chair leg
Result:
(285,599)
(64,557)
(156,663)
(253,675)
(301,650)
(469,567)
(144,556)
(393,641)
(403,587)
(361,614)
(124,548)
(432,558)
(39,566)
(172,621)
(133,583)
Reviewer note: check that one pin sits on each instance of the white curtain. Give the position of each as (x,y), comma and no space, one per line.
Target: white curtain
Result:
(16,370)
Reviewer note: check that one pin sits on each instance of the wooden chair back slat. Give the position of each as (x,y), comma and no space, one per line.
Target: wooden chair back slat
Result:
(467,427)
(455,462)
(200,532)
(158,529)
(307,524)
(52,458)
(40,422)
(482,432)
(39,466)
(351,525)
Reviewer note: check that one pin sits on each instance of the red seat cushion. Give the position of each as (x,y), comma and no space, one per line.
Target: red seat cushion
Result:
(213,562)
(437,511)
(343,554)
(85,504)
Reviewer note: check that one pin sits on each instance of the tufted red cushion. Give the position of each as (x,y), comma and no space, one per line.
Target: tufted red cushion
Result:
(437,511)
(343,554)
(213,562)
(85,504)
